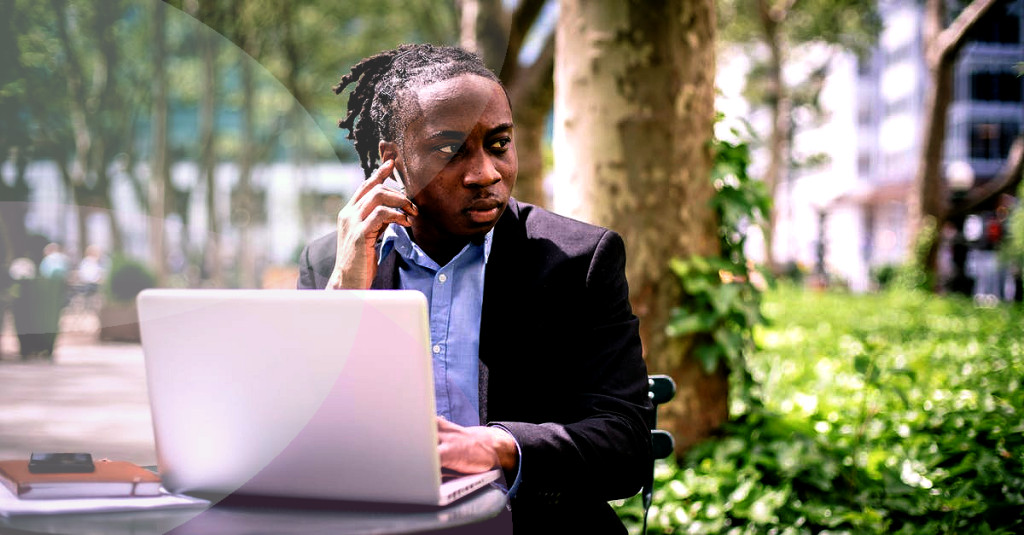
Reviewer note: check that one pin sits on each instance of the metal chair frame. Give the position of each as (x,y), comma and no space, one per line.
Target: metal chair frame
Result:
(661,388)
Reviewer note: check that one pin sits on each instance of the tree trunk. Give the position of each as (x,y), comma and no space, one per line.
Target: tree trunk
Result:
(634,107)
(530,129)
(929,197)
(498,36)
(109,133)
(15,208)
(207,158)
(930,191)
(484,30)
(780,107)
(75,177)
(73,199)
(246,263)
(14,142)
(102,195)
(90,110)
(532,92)
(158,179)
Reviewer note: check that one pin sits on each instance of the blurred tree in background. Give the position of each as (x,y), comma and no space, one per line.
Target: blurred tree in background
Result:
(306,45)
(145,114)
(943,37)
(778,34)
(499,31)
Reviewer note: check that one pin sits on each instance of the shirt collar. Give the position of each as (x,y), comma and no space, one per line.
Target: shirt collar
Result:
(397,237)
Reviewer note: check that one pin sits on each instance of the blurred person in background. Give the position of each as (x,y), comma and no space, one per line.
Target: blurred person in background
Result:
(91,271)
(55,264)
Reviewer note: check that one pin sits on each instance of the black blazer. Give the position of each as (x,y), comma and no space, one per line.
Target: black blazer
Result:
(561,364)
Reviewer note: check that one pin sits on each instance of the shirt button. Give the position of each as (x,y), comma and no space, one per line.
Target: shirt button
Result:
(442,277)
(437,349)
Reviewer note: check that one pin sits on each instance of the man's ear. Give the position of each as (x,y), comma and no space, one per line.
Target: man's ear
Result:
(388,151)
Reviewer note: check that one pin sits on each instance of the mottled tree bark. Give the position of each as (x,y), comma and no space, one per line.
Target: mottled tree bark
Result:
(634,108)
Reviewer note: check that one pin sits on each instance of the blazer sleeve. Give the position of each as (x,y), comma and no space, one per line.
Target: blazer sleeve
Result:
(604,450)
(316,263)
(307,277)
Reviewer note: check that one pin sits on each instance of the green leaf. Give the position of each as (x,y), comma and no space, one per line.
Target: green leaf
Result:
(861,364)
(725,297)
(708,355)
(685,324)
(729,343)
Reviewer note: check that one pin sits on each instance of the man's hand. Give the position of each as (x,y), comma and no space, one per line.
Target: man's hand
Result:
(370,210)
(474,449)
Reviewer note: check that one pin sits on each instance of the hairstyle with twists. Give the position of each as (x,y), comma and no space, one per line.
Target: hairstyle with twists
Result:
(375,111)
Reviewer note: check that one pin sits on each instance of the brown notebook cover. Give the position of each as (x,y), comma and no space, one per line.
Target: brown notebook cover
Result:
(111,479)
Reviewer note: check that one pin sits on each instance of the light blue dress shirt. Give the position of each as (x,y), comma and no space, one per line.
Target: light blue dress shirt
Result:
(455,296)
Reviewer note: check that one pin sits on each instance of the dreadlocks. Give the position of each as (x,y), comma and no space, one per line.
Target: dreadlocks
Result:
(374,109)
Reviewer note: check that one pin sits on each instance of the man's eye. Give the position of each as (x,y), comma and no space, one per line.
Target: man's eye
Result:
(502,143)
(450,148)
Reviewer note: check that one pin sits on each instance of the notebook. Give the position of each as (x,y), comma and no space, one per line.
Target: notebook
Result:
(300,394)
(108,479)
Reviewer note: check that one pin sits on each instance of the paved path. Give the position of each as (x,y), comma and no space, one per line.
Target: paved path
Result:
(90,398)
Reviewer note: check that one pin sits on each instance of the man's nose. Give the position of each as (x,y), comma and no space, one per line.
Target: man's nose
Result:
(481,171)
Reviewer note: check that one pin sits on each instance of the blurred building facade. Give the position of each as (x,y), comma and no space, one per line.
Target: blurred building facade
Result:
(217,179)
(849,216)
(293,203)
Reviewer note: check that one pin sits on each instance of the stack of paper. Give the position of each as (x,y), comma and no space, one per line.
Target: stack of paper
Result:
(10,505)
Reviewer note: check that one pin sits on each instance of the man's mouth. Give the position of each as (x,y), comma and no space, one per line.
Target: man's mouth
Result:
(484,210)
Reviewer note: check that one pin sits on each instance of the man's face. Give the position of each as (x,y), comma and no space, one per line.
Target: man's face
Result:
(457,158)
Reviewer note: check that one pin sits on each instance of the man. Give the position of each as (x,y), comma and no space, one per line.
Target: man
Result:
(537,356)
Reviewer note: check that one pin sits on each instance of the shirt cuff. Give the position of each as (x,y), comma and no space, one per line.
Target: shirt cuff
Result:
(519,465)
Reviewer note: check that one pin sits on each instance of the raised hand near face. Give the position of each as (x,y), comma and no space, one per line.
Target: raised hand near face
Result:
(360,222)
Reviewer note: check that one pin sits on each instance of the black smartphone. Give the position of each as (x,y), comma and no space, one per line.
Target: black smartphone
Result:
(61,463)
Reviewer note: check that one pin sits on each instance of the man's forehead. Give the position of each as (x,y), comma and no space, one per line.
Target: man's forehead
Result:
(459,103)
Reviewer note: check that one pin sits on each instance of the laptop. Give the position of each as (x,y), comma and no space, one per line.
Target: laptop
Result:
(298,394)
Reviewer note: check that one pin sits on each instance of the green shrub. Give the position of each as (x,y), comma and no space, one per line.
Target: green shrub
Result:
(898,412)
(721,294)
(884,275)
(792,272)
(127,278)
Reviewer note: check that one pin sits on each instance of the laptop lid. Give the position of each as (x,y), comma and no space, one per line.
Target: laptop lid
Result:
(293,393)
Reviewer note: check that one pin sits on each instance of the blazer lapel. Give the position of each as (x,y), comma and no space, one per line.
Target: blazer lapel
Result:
(497,284)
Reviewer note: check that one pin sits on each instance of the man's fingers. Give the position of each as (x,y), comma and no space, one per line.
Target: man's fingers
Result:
(445,425)
(381,173)
(383,196)
(381,217)
(378,177)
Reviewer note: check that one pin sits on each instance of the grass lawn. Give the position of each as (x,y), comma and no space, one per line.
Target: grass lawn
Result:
(886,413)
